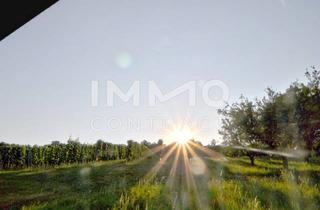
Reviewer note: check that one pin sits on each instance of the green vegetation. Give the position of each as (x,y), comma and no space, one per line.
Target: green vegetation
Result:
(149,183)
(56,154)
(95,185)
(287,122)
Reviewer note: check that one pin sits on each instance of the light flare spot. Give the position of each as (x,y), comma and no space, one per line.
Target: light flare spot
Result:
(197,166)
(84,172)
(123,60)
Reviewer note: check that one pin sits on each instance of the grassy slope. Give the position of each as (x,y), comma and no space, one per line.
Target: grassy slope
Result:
(232,184)
(98,184)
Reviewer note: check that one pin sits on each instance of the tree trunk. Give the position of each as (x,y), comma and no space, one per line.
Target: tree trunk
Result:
(285,163)
(307,158)
(251,159)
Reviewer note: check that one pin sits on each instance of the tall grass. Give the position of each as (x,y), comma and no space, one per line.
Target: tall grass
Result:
(229,185)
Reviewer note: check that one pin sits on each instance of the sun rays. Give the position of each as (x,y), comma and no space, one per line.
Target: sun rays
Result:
(182,167)
(185,163)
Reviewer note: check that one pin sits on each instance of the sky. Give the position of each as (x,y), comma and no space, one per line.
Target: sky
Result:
(47,66)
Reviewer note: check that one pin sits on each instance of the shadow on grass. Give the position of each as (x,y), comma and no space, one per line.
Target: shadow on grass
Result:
(80,182)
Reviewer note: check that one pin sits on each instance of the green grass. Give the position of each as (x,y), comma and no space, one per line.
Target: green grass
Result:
(266,186)
(231,184)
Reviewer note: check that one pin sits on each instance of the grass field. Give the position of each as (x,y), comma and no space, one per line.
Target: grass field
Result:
(177,180)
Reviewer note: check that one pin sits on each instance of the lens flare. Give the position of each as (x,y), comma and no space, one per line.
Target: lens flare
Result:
(124,60)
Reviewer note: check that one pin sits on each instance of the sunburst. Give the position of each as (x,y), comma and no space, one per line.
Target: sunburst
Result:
(181,136)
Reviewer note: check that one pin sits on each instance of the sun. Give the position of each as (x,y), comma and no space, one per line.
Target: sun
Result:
(181,136)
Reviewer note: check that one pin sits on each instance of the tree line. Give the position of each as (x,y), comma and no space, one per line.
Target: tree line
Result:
(286,121)
(56,153)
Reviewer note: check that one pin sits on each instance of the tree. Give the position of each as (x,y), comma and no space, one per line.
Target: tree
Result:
(240,126)
(213,143)
(308,109)
(284,121)
(160,142)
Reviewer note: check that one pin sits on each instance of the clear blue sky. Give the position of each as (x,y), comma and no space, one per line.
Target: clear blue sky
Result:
(46,66)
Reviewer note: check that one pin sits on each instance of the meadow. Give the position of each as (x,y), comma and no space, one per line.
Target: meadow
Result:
(179,178)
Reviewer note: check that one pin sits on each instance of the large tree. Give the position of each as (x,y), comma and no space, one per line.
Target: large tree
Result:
(240,126)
